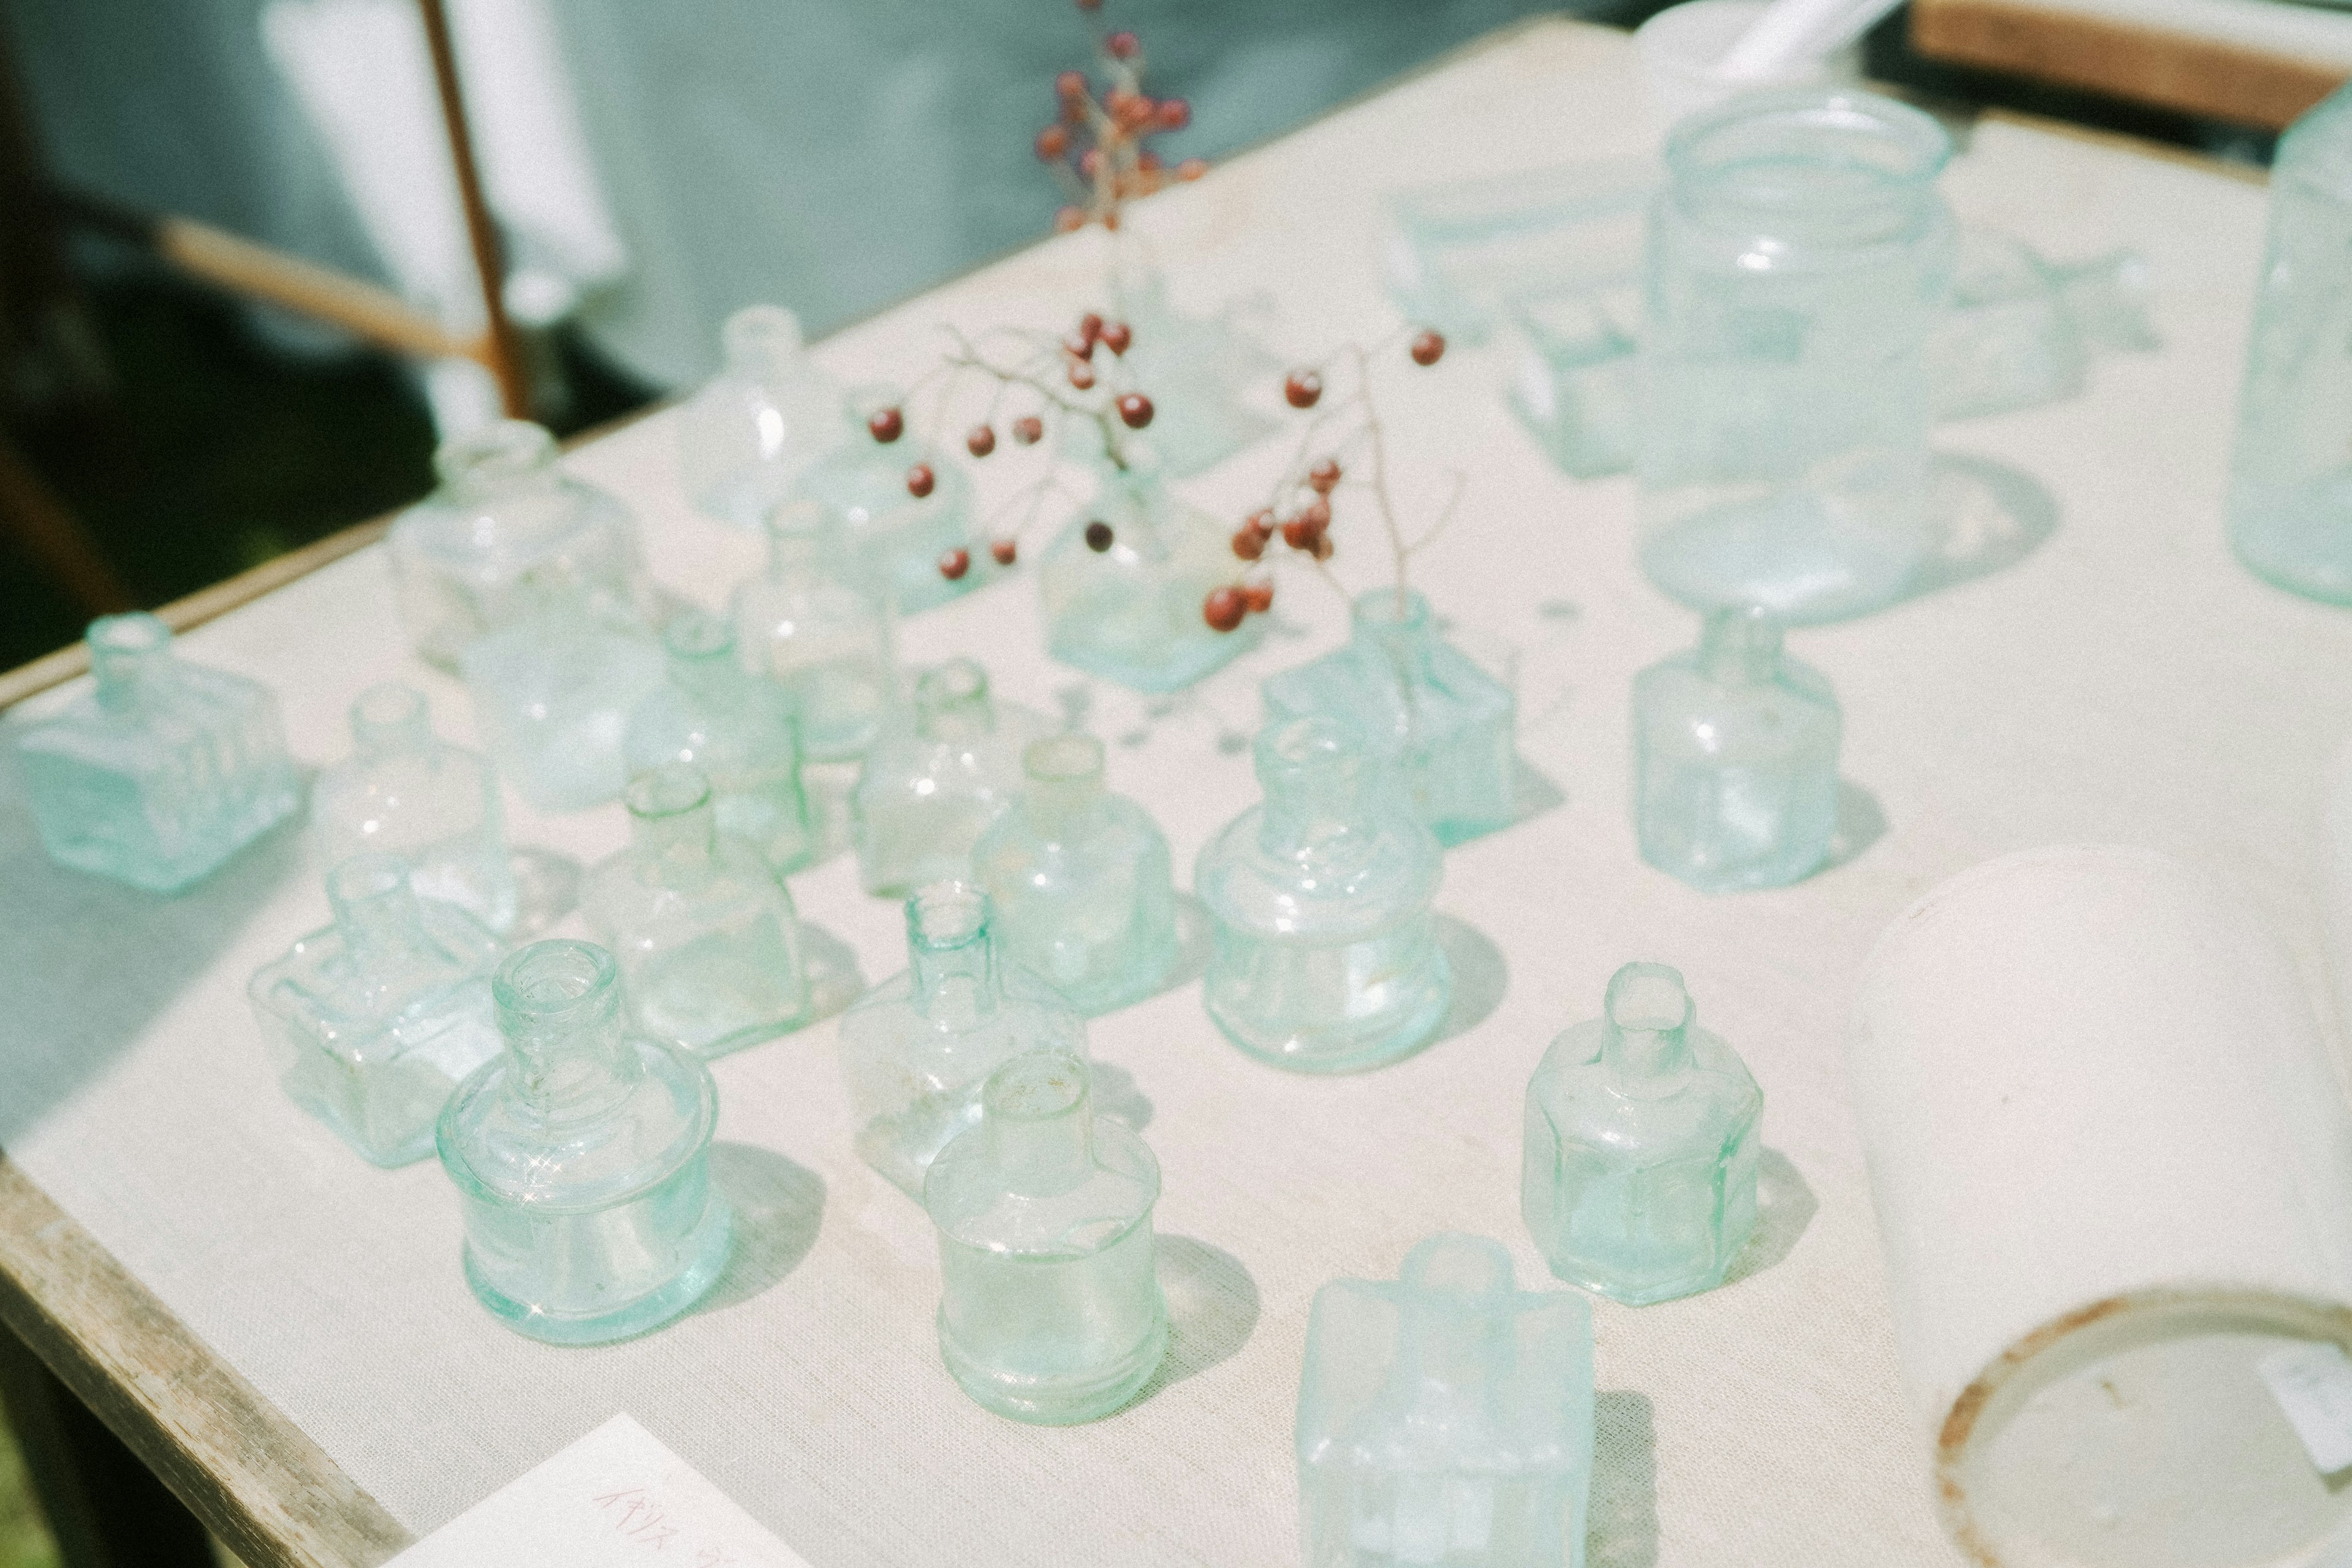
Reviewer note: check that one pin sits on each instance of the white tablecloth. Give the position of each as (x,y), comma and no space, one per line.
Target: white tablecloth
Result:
(2123,680)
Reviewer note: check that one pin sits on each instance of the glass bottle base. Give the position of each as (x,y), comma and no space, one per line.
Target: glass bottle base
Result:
(1739,876)
(1350,1045)
(706,1252)
(1799,554)
(1062,1401)
(2297,537)
(1631,1290)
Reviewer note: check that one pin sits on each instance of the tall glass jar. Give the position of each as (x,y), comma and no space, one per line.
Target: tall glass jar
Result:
(1796,260)
(2291,475)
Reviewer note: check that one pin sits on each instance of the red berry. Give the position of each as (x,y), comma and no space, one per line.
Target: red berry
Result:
(981,442)
(1110,219)
(1090,327)
(1248,543)
(1223,608)
(1261,523)
(1322,548)
(1299,533)
(1090,162)
(1003,550)
(1318,513)
(1077,345)
(1191,168)
(1303,389)
(1123,46)
(1098,536)
(1028,429)
(1117,336)
(1053,143)
(885,424)
(1135,410)
(919,480)
(1089,4)
(1428,348)
(1174,114)
(955,564)
(1082,374)
(1258,594)
(1135,112)
(1324,476)
(1070,85)
(1069,220)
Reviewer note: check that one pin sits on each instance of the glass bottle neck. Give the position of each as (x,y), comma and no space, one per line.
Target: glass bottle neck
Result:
(1647,1048)
(951,703)
(125,653)
(1453,1350)
(1039,1115)
(677,849)
(568,1055)
(1740,648)
(376,911)
(391,722)
(762,343)
(1065,776)
(1394,627)
(511,457)
(950,955)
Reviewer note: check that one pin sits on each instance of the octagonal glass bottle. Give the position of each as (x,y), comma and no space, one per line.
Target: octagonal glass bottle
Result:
(896,537)
(1326,955)
(1639,1175)
(1050,1310)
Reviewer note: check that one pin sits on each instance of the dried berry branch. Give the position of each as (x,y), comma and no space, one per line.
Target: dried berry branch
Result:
(1096,146)
(1300,507)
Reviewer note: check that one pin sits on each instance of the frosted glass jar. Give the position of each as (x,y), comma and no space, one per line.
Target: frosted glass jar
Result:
(1796,260)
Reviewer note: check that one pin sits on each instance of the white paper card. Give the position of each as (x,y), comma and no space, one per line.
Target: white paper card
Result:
(616,1499)
(2312,1386)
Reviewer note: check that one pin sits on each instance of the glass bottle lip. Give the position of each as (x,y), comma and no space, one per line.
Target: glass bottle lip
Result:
(1035,1085)
(1064,759)
(366,879)
(1648,998)
(555,979)
(942,916)
(696,635)
(497,455)
(1897,140)
(670,790)
(1741,640)
(759,335)
(954,684)
(390,716)
(1298,748)
(1459,1266)
(134,632)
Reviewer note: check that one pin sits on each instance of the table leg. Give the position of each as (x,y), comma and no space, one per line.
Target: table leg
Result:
(105,1509)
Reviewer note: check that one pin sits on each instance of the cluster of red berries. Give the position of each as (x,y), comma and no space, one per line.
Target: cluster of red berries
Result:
(1097,144)
(1304,523)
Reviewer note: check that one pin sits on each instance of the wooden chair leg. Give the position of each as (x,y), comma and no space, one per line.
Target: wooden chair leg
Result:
(36,523)
(105,1509)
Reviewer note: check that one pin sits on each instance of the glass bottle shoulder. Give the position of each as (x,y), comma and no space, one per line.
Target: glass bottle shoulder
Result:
(1382,871)
(499,1147)
(1794,709)
(629,891)
(1715,1101)
(500,537)
(337,995)
(1113,834)
(965,1197)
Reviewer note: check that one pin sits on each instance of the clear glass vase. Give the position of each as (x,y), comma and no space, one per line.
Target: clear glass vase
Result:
(581,1160)
(1734,760)
(2290,472)
(162,770)
(508,538)
(704,930)
(1446,1418)
(1447,728)
(1131,611)
(1796,262)
(916,1050)
(1639,1180)
(1080,880)
(745,438)
(1326,955)
(945,766)
(818,628)
(553,697)
(735,728)
(405,791)
(896,538)
(1050,1309)
(372,1021)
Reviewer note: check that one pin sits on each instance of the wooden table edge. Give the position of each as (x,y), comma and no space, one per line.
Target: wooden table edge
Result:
(254,1477)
